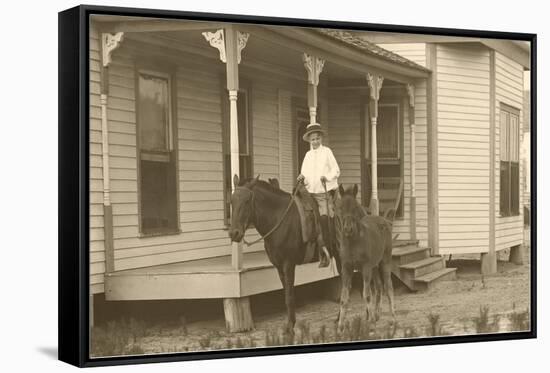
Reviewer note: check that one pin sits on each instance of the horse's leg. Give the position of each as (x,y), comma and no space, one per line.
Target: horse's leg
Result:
(347,272)
(282,276)
(378,287)
(366,271)
(289,271)
(388,286)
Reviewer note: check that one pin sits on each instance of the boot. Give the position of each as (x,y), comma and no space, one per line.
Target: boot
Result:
(324,256)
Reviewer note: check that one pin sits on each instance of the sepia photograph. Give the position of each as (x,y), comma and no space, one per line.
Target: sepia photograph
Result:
(257,185)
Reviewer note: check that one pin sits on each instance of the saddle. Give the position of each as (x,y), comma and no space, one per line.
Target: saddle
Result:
(309,221)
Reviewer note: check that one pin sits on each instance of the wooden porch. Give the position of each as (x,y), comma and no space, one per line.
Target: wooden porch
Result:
(207,278)
(216,278)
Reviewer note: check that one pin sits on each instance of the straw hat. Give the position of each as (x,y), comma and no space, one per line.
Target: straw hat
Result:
(311,128)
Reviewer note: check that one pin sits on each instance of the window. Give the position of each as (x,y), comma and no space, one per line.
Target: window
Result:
(509,161)
(387,133)
(156,155)
(245,145)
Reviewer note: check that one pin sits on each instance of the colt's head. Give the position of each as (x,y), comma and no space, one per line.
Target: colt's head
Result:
(348,208)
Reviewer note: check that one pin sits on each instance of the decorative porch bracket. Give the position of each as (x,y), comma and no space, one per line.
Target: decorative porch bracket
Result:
(217,40)
(412,202)
(109,43)
(375,85)
(314,67)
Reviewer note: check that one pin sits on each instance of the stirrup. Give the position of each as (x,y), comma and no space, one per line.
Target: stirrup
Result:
(324,261)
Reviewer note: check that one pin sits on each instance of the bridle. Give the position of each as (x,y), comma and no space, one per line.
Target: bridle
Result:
(252,207)
(253,210)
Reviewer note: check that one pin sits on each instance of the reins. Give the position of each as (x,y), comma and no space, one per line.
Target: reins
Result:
(278,223)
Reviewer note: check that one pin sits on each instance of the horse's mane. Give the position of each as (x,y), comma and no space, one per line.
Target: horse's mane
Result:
(264,185)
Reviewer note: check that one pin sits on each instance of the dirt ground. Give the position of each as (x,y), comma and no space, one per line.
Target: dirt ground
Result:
(470,304)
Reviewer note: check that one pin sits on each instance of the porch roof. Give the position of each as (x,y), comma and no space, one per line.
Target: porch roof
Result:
(338,46)
(370,48)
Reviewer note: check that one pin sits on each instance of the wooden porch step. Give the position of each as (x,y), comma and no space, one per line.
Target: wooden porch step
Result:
(408,254)
(416,268)
(400,243)
(426,281)
(422,267)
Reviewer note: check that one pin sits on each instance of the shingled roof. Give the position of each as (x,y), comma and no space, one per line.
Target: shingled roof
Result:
(370,48)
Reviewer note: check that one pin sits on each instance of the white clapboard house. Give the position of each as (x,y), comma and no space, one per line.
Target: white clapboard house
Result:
(432,126)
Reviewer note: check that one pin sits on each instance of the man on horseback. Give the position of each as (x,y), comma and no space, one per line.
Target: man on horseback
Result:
(320,173)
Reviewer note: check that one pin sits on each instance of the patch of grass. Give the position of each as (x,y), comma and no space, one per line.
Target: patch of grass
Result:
(273,337)
(434,327)
(410,332)
(520,320)
(118,337)
(205,341)
(483,324)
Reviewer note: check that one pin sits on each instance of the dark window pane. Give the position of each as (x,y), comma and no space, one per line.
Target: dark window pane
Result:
(504,143)
(387,135)
(504,189)
(245,167)
(153,113)
(514,188)
(514,138)
(158,196)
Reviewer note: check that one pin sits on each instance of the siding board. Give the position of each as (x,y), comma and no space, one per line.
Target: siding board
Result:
(463,106)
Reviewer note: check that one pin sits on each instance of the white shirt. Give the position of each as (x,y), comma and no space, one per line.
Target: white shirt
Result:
(320,162)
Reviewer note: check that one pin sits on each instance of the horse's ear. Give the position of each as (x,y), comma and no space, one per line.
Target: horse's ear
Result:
(254,181)
(236,180)
(355,190)
(341,189)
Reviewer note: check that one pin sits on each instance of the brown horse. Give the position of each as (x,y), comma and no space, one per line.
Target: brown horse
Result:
(365,245)
(259,203)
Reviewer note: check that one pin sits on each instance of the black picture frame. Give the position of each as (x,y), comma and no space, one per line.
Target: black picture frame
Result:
(73,250)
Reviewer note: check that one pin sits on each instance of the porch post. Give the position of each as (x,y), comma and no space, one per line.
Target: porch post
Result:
(314,66)
(109,42)
(412,202)
(375,84)
(230,44)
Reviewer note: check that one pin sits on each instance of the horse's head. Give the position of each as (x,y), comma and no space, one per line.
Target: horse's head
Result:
(348,209)
(242,207)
